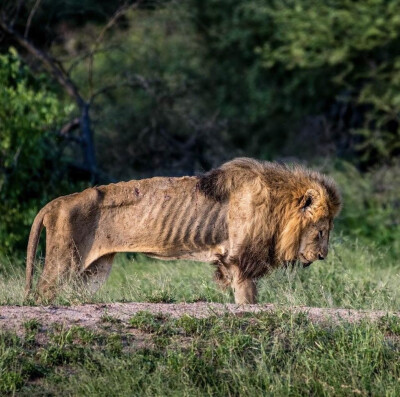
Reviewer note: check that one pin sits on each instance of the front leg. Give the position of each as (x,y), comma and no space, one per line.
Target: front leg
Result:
(245,290)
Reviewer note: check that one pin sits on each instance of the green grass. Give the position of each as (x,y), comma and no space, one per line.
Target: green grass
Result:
(353,276)
(277,354)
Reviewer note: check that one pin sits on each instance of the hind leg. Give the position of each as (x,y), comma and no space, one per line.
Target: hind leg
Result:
(60,264)
(97,273)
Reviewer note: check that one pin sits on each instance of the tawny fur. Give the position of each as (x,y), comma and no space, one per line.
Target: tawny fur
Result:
(247,217)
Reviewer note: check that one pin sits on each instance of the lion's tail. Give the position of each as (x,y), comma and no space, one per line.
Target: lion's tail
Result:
(34,236)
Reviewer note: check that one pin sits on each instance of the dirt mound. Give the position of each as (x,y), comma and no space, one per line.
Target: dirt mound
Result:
(93,315)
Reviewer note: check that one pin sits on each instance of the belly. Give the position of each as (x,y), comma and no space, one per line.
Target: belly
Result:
(208,255)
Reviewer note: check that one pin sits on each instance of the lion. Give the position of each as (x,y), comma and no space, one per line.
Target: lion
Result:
(247,217)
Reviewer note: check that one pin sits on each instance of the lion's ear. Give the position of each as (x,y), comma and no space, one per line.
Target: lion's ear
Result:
(215,185)
(308,200)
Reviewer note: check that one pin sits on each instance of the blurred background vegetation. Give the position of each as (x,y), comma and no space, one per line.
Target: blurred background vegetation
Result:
(98,91)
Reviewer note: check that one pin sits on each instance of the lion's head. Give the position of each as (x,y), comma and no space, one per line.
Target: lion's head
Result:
(314,242)
(317,221)
(308,218)
(285,213)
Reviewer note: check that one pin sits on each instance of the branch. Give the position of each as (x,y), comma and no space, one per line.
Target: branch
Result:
(105,89)
(17,10)
(135,81)
(49,62)
(70,126)
(118,14)
(31,15)
(81,57)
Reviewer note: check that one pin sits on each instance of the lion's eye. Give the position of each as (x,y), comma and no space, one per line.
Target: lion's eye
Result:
(320,234)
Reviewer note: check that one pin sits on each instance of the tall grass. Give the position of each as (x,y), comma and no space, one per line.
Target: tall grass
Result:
(353,276)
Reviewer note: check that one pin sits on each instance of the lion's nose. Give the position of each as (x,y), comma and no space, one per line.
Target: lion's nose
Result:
(321,257)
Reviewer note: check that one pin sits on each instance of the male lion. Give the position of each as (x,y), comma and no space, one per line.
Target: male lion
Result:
(246,217)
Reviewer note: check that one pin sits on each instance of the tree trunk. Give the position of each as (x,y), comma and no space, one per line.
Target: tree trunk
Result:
(89,155)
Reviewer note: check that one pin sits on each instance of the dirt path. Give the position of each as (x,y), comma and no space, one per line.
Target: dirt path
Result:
(93,315)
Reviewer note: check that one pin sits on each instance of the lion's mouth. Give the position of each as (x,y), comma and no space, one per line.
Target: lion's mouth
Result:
(293,263)
(305,262)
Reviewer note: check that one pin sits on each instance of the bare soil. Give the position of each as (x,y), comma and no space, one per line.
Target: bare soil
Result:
(12,318)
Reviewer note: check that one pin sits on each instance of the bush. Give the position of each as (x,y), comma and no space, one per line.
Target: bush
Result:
(157,123)
(277,64)
(371,204)
(29,157)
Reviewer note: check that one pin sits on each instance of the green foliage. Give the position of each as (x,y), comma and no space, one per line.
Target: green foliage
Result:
(370,205)
(29,166)
(276,63)
(155,118)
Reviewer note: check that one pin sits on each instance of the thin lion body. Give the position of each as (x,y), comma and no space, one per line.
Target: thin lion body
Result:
(247,217)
